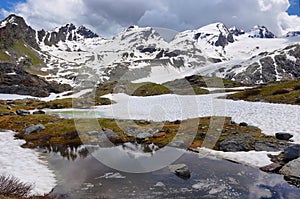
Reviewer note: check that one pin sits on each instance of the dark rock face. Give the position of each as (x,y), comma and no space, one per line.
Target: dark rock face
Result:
(293,34)
(235,145)
(68,32)
(236,31)
(223,40)
(283,136)
(33,129)
(262,32)
(16,29)
(270,68)
(291,153)
(14,80)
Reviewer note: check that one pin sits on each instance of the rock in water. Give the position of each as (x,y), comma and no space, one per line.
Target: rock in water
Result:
(283,136)
(181,170)
(291,153)
(33,129)
(291,169)
(274,167)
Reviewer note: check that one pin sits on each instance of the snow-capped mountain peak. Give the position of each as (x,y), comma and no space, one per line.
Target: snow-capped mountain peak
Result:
(236,31)
(260,32)
(69,32)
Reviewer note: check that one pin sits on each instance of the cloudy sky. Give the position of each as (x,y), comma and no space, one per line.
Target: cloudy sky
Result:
(108,17)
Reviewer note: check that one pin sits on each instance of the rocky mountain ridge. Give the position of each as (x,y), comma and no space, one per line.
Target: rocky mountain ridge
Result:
(70,54)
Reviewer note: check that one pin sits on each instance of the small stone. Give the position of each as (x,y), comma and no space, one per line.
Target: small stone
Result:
(22,112)
(12,113)
(33,129)
(243,124)
(54,120)
(9,108)
(283,136)
(59,106)
(159,135)
(92,133)
(159,184)
(274,167)
(39,112)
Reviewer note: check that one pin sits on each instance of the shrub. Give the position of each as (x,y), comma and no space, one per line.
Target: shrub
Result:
(248,93)
(297,87)
(13,187)
(281,91)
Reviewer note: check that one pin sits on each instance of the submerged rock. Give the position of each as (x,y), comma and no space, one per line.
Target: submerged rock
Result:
(33,129)
(274,167)
(283,136)
(181,170)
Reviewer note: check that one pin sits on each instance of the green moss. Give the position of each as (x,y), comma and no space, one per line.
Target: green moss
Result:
(4,57)
(20,48)
(286,92)
(135,89)
(149,89)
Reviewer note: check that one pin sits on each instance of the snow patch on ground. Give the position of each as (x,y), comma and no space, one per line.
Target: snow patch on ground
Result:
(52,96)
(251,158)
(25,164)
(271,118)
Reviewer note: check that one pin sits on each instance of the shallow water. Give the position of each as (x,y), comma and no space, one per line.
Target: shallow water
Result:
(210,178)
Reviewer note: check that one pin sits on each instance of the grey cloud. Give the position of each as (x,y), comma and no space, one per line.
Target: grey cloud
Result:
(109,17)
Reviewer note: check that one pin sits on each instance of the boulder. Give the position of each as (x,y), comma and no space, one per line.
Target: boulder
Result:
(269,146)
(235,144)
(22,112)
(33,129)
(181,170)
(291,169)
(291,153)
(283,136)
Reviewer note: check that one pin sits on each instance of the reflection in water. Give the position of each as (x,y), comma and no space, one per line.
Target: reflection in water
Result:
(89,178)
(70,152)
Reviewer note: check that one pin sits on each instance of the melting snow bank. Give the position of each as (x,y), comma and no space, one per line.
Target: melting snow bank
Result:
(251,158)
(24,164)
(270,118)
(52,96)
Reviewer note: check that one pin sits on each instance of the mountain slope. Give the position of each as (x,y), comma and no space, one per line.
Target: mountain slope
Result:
(78,56)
